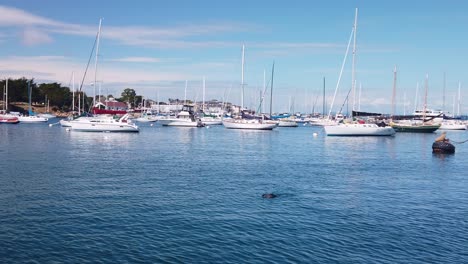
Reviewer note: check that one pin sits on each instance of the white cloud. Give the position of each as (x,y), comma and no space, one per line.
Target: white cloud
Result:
(40,30)
(138,59)
(32,36)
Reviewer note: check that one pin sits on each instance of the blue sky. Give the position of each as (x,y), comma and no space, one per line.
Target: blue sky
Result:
(155,46)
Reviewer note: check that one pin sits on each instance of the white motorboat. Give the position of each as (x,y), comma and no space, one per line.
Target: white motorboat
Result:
(103,124)
(185,118)
(146,117)
(211,120)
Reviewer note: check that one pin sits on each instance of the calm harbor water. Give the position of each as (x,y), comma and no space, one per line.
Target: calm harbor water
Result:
(193,195)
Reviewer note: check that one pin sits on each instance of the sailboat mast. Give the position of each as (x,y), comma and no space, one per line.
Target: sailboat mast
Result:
(29,95)
(416,97)
(425,97)
(271,90)
(242,77)
(185,92)
(341,73)
(394,90)
(158,99)
(96,61)
(203,100)
(458,107)
(443,96)
(264,89)
(6,95)
(354,61)
(73,91)
(323,103)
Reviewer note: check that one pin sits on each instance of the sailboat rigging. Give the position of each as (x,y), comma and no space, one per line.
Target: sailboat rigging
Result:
(354,128)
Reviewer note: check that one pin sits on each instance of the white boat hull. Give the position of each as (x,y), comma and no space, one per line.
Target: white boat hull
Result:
(358,130)
(32,119)
(211,121)
(103,124)
(452,126)
(248,124)
(179,123)
(89,127)
(283,123)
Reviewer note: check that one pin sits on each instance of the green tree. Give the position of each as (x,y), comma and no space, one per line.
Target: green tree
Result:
(128,95)
(56,95)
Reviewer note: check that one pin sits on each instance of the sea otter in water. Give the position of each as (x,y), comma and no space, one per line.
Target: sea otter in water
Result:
(269,195)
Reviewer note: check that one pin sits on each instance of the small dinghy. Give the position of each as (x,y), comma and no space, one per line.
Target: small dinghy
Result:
(443,145)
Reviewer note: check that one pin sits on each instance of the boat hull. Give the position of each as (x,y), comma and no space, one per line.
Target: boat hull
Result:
(179,123)
(415,129)
(88,127)
(454,126)
(358,130)
(32,119)
(287,124)
(9,120)
(102,124)
(240,124)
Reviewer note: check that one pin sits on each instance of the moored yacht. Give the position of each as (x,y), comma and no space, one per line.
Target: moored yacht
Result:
(103,124)
(358,129)
(185,118)
(252,124)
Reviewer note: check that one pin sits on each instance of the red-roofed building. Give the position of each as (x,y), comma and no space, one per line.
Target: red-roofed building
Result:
(110,107)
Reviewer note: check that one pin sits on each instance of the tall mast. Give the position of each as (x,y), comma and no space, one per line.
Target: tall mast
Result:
(458,107)
(425,97)
(73,92)
(185,92)
(29,95)
(416,97)
(6,95)
(394,90)
(96,61)
(271,90)
(341,73)
(79,102)
(443,96)
(263,92)
(242,78)
(323,104)
(203,100)
(353,87)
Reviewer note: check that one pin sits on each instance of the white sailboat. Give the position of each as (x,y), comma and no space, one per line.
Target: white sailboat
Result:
(31,118)
(241,123)
(354,128)
(47,113)
(209,119)
(100,123)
